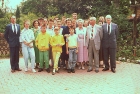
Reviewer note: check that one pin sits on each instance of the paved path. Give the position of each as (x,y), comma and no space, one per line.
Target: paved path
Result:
(125,81)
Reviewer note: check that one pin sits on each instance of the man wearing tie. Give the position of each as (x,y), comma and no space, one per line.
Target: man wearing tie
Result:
(12,33)
(109,43)
(94,36)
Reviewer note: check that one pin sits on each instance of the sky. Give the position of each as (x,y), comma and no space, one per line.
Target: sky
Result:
(13,3)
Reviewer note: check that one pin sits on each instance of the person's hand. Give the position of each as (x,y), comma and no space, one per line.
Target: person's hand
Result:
(76,51)
(67,52)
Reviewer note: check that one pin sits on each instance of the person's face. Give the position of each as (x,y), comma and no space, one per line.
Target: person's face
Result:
(74,16)
(27,24)
(63,18)
(43,29)
(92,22)
(50,23)
(56,30)
(69,23)
(13,19)
(59,24)
(108,20)
(41,22)
(36,24)
(86,23)
(71,31)
(101,19)
(80,24)
(45,21)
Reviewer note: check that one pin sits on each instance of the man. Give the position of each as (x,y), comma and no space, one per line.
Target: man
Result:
(74,16)
(109,43)
(94,36)
(65,33)
(12,33)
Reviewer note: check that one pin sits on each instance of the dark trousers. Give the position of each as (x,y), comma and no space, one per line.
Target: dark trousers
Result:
(109,52)
(14,57)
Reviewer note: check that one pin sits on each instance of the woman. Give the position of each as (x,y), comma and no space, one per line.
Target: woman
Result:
(36,31)
(82,49)
(27,38)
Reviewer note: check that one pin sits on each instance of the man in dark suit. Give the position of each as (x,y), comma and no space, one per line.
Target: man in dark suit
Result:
(12,33)
(109,43)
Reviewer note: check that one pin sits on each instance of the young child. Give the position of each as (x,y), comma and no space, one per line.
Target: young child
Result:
(57,41)
(72,45)
(42,42)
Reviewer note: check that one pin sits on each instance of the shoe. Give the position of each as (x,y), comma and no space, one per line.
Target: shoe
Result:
(12,71)
(101,66)
(79,67)
(83,68)
(72,70)
(48,70)
(89,70)
(69,70)
(33,70)
(57,70)
(113,70)
(40,70)
(105,69)
(19,69)
(26,69)
(53,73)
(96,71)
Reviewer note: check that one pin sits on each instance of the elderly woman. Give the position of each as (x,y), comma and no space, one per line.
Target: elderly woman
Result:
(82,48)
(27,38)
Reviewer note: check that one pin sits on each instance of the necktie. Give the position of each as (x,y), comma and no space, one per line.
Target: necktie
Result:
(108,29)
(92,33)
(14,29)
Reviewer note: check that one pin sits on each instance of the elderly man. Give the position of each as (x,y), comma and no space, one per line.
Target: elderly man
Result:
(12,33)
(94,36)
(109,43)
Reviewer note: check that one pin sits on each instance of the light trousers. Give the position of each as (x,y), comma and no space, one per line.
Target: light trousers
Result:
(28,53)
(56,56)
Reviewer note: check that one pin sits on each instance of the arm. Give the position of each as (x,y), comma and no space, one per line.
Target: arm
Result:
(36,41)
(116,31)
(6,33)
(67,46)
(62,41)
(101,33)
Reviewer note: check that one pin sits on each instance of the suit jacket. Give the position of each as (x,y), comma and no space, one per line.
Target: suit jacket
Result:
(97,35)
(110,40)
(12,38)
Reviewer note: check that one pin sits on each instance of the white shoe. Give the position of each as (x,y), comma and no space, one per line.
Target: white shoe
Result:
(26,69)
(83,68)
(79,68)
(33,70)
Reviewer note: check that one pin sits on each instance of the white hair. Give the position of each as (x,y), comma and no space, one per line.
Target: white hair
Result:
(92,18)
(80,21)
(108,16)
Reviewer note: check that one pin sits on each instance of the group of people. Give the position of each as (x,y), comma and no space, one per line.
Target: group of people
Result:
(67,42)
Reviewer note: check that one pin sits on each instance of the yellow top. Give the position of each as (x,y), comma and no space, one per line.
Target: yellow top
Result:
(57,41)
(42,41)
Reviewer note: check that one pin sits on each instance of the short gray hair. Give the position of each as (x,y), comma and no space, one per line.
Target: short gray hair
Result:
(108,16)
(80,21)
(92,18)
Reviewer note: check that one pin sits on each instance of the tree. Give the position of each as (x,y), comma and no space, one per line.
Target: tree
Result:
(17,13)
